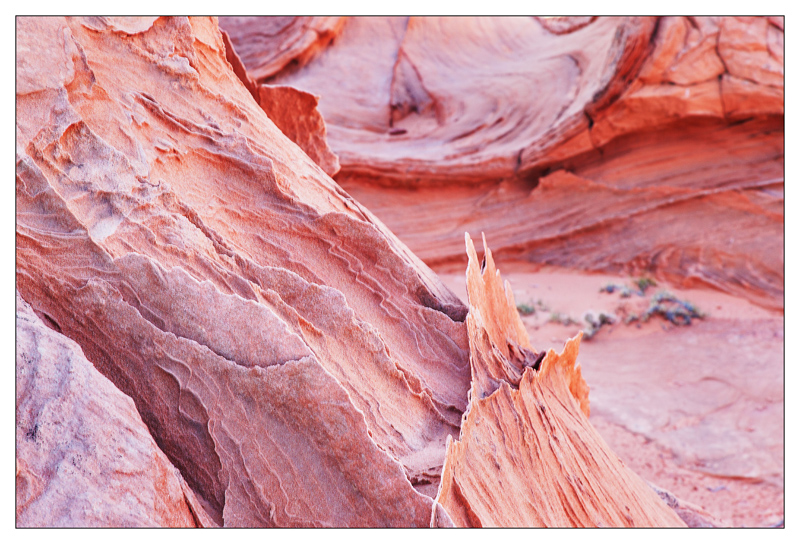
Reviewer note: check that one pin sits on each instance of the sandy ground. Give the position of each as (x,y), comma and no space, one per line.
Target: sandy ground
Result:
(696,409)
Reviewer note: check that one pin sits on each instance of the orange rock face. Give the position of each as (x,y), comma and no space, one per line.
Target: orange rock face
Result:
(291,358)
(293,111)
(289,355)
(527,455)
(453,119)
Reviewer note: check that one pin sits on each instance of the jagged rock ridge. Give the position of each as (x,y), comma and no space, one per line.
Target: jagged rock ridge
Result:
(527,455)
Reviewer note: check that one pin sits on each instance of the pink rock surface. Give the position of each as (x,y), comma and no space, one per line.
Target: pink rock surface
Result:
(84,456)
(454,119)
(296,363)
(696,410)
(216,275)
(291,41)
(293,111)
(439,97)
(731,238)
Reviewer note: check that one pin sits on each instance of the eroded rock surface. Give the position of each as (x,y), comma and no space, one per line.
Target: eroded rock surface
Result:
(527,455)
(290,356)
(461,123)
(294,111)
(84,456)
(294,361)
(291,41)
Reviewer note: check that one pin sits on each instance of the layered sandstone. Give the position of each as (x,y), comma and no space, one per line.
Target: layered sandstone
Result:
(290,356)
(291,361)
(563,136)
(527,455)
(271,44)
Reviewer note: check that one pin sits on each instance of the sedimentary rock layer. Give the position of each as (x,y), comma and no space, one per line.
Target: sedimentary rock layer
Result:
(289,355)
(457,115)
(527,455)
(293,111)
(439,98)
(291,361)
(729,237)
(291,41)
(84,456)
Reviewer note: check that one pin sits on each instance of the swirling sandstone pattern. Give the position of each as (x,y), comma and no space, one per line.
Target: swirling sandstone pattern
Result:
(624,122)
(292,41)
(292,361)
(222,280)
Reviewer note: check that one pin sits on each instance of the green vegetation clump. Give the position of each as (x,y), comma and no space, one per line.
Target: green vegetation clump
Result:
(641,284)
(526,309)
(530,308)
(663,303)
(673,309)
(624,290)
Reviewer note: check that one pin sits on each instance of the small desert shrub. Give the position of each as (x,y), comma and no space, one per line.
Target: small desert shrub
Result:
(673,309)
(643,283)
(526,309)
(624,290)
(557,317)
(595,322)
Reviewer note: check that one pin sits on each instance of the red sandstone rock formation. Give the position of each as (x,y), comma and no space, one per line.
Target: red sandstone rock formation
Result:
(296,363)
(289,355)
(564,137)
(271,44)
(293,111)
